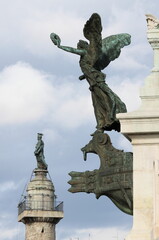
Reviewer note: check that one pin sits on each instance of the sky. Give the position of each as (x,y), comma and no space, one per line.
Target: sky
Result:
(40,92)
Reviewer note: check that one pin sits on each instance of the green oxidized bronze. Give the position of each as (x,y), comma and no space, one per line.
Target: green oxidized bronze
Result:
(95,56)
(39,152)
(114,177)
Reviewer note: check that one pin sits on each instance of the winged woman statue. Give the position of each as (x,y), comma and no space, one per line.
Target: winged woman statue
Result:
(94,57)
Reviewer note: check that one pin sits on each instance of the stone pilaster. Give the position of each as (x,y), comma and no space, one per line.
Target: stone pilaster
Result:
(142,128)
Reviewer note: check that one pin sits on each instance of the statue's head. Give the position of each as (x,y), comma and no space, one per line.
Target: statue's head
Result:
(40,136)
(82,44)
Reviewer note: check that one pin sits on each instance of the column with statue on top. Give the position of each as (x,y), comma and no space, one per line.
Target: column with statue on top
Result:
(39,210)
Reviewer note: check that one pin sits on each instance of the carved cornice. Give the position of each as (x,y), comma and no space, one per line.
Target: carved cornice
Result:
(52,220)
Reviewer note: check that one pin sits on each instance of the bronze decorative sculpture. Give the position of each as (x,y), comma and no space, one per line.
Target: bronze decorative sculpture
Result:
(114,177)
(39,153)
(94,57)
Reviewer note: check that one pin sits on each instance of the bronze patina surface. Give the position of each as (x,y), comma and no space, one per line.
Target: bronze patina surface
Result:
(95,56)
(114,177)
(39,152)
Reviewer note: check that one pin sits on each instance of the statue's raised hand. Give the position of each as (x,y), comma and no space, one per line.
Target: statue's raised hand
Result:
(55,39)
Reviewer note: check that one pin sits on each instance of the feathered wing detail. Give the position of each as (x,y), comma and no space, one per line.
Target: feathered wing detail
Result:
(102,52)
(111,48)
(92,31)
(112,45)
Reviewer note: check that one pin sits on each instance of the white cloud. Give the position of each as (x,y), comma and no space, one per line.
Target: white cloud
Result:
(124,144)
(128,60)
(9,233)
(74,112)
(36,31)
(33,23)
(9,229)
(36,20)
(73,106)
(128,91)
(24,94)
(28,95)
(95,233)
(51,135)
(123,17)
(8,186)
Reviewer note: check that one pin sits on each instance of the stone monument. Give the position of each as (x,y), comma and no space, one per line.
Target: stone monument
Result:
(39,210)
(142,128)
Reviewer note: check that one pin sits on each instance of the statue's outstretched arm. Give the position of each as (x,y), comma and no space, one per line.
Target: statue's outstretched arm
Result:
(72,50)
(56,40)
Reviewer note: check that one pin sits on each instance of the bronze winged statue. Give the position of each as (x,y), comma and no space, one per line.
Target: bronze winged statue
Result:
(94,57)
(114,177)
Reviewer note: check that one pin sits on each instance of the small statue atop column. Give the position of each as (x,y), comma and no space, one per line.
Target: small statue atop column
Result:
(39,152)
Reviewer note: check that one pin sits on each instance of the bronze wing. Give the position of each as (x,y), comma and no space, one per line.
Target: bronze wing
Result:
(111,48)
(92,31)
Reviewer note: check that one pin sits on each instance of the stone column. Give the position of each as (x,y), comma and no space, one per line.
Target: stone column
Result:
(38,211)
(141,127)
